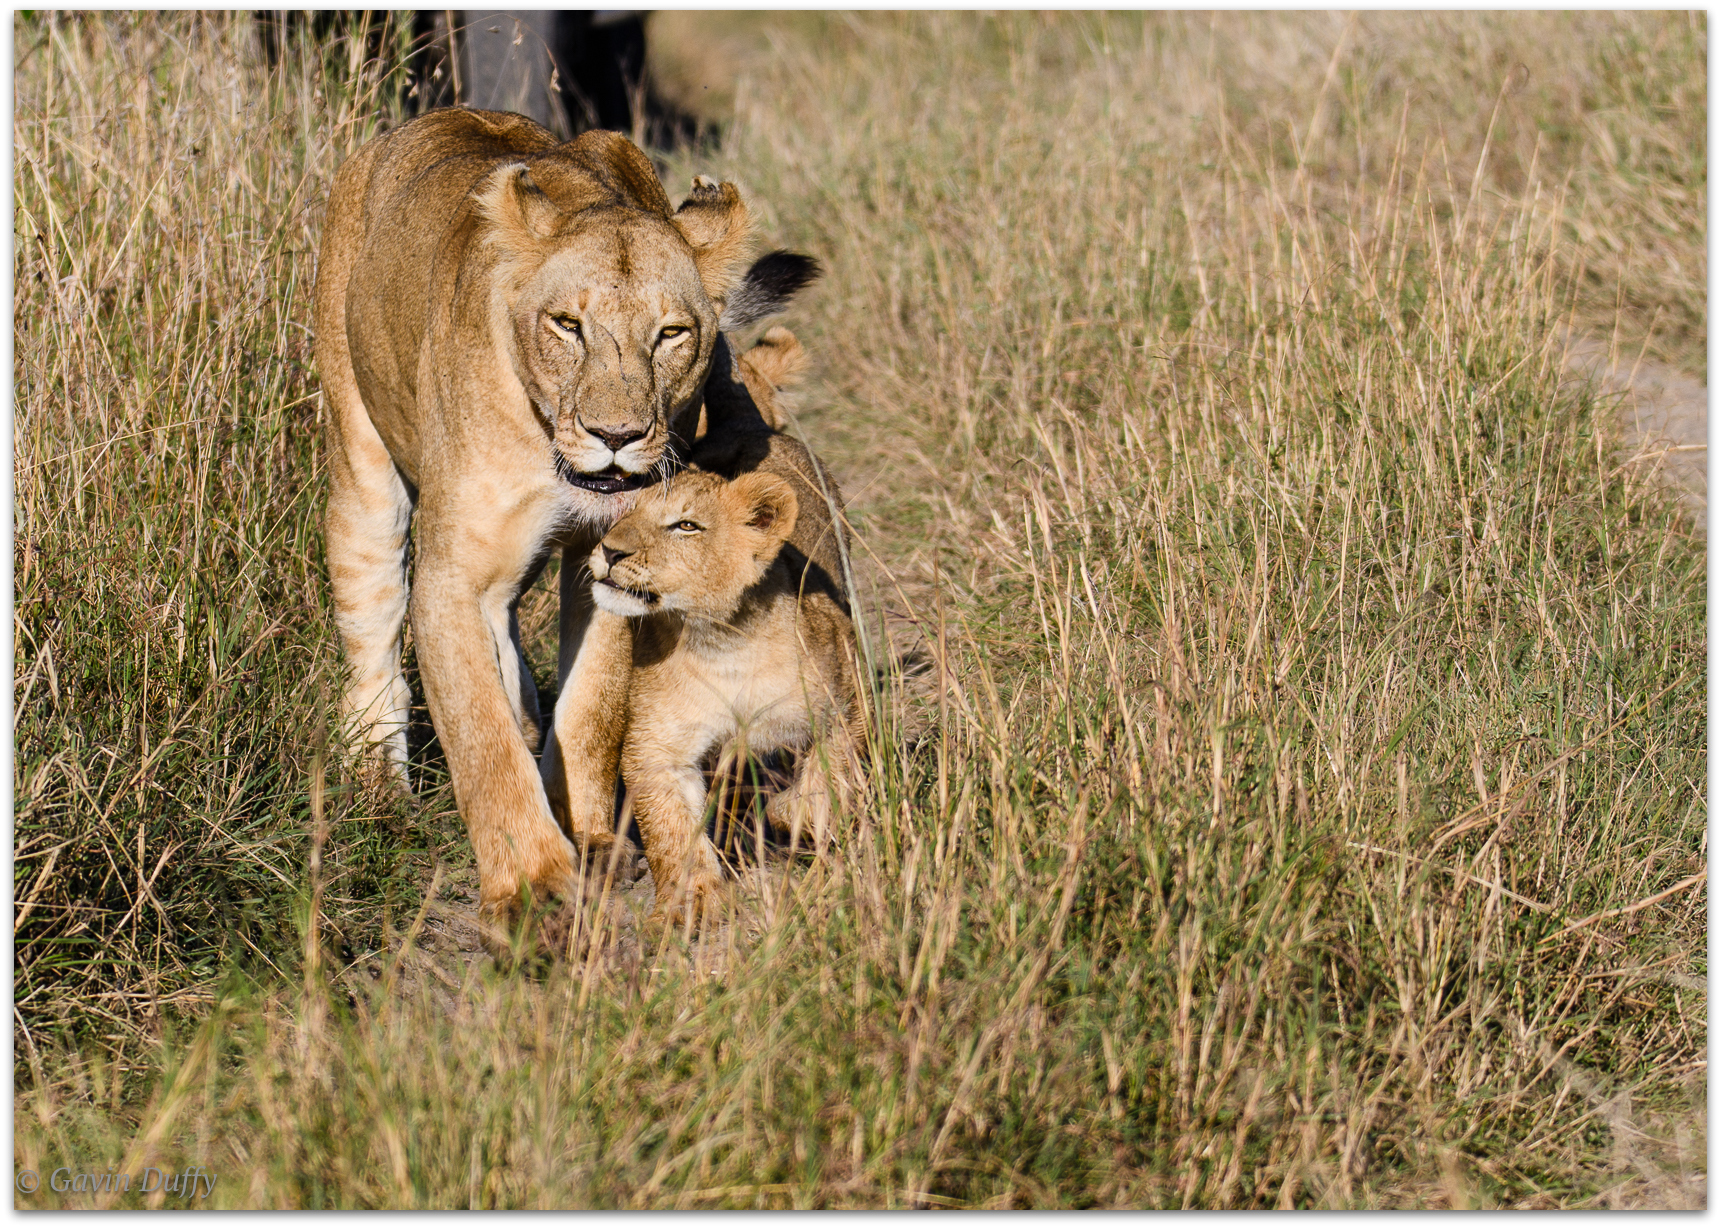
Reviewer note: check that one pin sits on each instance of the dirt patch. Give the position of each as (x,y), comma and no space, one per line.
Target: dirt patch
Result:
(1664,413)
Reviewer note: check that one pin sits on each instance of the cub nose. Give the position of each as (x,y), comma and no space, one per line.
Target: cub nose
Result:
(613,556)
(615,438)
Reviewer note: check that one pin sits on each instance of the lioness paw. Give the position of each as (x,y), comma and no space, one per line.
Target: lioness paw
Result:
(530,935)
(380,777)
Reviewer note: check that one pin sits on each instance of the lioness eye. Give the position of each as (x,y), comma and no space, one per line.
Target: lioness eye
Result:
(671,333)
(567,324)
(685,526)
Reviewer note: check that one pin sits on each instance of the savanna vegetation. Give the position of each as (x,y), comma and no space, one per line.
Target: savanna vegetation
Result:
(1288,782)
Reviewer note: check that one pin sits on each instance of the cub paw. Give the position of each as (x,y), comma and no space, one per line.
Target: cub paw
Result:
(686,909)
(606,857)
(804,823)
(528,935)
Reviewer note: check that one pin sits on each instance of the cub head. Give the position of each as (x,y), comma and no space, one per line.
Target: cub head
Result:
(696,547)
(612,303)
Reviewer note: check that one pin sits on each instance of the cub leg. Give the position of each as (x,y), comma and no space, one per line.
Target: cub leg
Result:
(581,762)
(669,806)
(365,527)
(495,778)
(803,810)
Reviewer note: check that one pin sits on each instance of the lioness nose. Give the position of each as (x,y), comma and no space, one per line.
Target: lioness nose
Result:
(614,438)
(613,556)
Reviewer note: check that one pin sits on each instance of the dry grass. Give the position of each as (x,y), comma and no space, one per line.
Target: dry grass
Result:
(169,612)
(1309,807)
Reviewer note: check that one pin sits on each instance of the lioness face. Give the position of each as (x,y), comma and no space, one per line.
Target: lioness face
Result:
(695,548)
(614,333)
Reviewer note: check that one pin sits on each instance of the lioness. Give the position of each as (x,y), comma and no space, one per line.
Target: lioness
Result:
(511,335)
(741,630)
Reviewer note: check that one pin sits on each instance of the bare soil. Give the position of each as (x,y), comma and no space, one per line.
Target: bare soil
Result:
(1664,413)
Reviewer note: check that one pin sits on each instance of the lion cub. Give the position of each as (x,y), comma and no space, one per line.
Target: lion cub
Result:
(743,633)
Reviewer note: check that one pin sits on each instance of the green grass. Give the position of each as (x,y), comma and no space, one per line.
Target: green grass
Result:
(1307,807)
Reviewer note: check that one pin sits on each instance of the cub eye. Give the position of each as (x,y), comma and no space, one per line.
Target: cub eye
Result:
(672,332)
(566,324)
(687,526)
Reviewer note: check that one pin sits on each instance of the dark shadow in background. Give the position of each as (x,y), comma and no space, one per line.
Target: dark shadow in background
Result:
(569,70)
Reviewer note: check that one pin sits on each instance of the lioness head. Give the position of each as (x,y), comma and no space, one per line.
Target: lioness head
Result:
(612,303)
(695,548)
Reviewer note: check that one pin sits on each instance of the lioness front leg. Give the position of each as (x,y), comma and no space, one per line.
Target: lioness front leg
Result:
(669,806)
(460,632)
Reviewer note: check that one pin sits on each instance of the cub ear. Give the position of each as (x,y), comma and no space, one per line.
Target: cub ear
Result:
(715,224)
(518,211)
(768,506)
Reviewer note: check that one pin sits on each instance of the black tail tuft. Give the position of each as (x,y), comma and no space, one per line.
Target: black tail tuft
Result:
(769,285)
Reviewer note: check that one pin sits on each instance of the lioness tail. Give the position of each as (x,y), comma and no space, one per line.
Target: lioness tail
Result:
(773,280)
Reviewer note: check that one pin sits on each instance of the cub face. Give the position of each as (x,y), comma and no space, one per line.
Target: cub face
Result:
(696,548)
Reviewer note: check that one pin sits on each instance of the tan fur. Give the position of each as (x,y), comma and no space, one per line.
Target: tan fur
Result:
(742,634)
(751,392)
(769,369)
(459,252)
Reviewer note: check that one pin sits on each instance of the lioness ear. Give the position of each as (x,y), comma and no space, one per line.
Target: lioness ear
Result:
(714,222)
(515,207)
(769,504)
